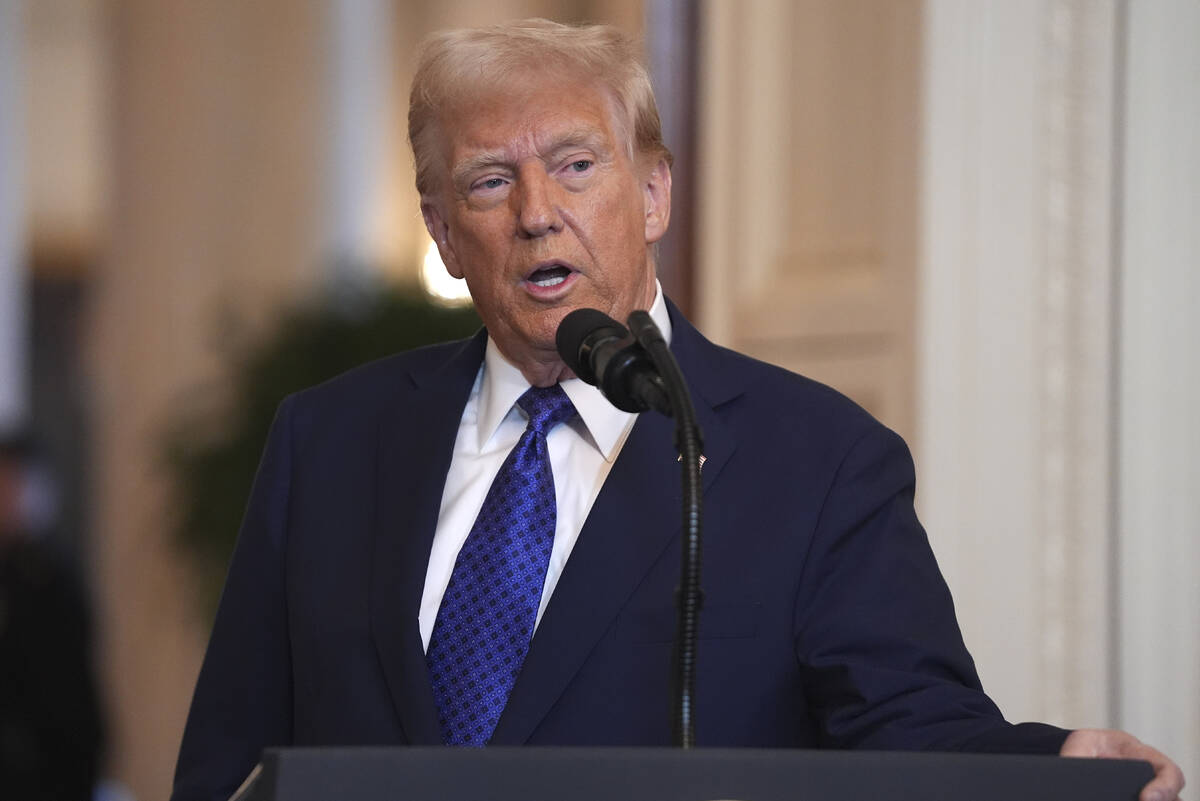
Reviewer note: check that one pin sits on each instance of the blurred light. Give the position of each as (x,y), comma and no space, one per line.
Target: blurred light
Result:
(439,284)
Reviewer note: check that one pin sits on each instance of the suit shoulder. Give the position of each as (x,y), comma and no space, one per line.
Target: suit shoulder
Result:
(366,387)
(790,396)
(774,410)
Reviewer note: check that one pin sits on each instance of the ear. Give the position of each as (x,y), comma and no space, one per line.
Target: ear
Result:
(656,189)
(439,231)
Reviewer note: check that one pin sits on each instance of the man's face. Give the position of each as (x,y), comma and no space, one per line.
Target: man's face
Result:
(541,209)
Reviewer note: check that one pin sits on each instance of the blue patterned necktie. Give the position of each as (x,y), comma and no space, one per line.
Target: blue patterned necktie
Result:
(486,619)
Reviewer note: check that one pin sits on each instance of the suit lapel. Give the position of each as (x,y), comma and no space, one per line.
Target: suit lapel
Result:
(620,541)
(415,444)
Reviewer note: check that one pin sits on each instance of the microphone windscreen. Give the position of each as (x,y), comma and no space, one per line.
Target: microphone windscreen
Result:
(575,330)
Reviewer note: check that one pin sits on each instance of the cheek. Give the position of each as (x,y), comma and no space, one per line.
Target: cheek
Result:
(479,245)
(619,223)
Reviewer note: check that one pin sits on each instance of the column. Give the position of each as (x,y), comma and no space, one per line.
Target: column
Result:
(14,344)
(1158,573)
(361,96)
(1014,353)
(216,129)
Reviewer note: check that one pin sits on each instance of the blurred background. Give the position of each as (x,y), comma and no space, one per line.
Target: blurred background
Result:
(979,218)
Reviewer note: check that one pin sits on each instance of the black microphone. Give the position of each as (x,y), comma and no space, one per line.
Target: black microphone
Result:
(603,353)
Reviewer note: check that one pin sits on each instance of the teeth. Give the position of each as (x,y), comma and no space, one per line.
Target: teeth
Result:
(551,281)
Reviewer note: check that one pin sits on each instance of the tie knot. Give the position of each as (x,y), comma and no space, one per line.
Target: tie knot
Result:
(546,407)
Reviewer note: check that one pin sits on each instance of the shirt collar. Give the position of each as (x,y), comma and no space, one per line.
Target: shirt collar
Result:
(503,384)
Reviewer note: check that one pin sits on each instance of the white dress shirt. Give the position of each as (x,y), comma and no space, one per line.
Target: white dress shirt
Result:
(582,451)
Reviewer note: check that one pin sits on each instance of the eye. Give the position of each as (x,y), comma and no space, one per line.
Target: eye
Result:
(491,183)
(581,165)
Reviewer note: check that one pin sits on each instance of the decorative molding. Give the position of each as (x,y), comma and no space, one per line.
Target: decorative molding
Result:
(1015,351)
(1076,357)
(977,377)
(672,45)
(807,228)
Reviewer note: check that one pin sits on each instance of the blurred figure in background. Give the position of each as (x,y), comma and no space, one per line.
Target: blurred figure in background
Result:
(50,727)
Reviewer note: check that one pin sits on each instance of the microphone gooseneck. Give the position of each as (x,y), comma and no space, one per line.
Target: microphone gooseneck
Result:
(689,596)
(637,372)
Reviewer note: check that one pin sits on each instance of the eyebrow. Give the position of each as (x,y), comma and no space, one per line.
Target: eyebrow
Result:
(582,137)
(488,158)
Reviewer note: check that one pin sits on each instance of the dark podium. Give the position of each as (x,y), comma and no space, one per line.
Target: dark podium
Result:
(652,774)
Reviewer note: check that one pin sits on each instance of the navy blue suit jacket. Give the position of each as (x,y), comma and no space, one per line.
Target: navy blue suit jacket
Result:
(826,622)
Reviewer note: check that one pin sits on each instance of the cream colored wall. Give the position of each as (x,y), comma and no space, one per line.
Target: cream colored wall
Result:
(66,84)
(1058,383)
(1158,470)
(807,181)
(214,156)
(1015,350)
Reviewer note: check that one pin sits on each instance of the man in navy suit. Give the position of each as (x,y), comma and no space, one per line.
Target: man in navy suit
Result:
(545,184)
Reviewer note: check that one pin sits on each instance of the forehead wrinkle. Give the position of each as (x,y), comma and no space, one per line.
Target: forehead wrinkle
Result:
(586,137)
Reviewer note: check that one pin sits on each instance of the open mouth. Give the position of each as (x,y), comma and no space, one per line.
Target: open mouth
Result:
(549,276)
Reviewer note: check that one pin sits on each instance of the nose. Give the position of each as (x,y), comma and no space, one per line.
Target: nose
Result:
(536,197)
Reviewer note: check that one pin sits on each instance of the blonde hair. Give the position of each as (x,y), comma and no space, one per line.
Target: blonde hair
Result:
(455,63)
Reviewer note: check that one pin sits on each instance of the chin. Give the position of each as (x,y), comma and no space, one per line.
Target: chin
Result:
(542,332)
